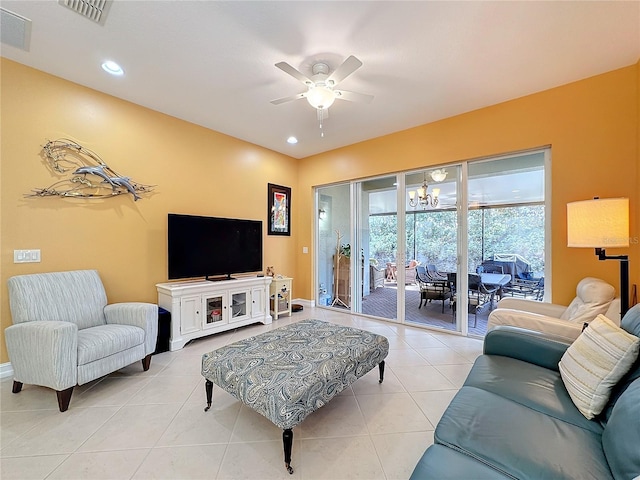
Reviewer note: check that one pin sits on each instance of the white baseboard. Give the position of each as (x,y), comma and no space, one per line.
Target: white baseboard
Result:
(304,302)
(6,370)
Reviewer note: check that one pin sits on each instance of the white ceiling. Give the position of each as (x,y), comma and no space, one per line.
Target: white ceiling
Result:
(212,63)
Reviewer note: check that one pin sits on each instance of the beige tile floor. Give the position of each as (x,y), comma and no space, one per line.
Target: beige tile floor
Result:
(151,425)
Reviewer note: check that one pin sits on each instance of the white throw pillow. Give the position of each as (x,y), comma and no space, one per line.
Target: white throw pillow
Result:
(595,362)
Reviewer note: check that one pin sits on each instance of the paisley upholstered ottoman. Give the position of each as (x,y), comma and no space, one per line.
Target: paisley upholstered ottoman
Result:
(290,372)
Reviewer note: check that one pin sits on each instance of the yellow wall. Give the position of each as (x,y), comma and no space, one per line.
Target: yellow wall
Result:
(196,171)
(591,125)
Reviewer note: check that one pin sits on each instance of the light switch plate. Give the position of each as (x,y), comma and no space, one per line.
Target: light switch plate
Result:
(26,256)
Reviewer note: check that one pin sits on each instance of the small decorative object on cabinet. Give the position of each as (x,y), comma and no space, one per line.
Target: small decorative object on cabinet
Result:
(280,296)
(202,307)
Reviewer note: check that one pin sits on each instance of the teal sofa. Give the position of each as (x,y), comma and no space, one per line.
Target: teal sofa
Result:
(513,418)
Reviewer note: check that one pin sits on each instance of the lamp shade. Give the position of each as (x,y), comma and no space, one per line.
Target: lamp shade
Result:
(598,223)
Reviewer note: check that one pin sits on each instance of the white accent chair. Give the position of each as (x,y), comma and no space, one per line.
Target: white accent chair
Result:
(64,333)
(593,297)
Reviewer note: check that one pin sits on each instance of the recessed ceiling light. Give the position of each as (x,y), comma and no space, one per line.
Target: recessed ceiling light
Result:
(292,140)
(112,67)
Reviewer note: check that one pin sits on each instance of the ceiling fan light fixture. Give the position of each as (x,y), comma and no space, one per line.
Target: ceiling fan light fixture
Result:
(321,97)
(439,175)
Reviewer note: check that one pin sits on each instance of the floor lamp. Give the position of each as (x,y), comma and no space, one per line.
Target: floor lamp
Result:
(601,223)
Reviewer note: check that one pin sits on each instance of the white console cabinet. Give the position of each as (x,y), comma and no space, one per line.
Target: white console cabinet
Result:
(202,307)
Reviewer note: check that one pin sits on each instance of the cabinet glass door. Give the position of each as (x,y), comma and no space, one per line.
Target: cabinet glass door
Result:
(238,305)
(214,309)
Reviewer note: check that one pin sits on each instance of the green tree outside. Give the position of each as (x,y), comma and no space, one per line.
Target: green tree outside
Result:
(431,236)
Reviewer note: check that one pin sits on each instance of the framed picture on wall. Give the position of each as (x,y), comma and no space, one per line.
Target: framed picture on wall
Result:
(279,209)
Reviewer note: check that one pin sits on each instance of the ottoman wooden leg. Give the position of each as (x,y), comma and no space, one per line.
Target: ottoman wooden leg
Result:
(381,368)
(208,387)
(287,439)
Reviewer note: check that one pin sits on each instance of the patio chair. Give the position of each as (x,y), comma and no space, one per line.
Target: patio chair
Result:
(434,274)
(519,287)
(431,289)
(390,272)
(480,296)
(410,272)
(376,277)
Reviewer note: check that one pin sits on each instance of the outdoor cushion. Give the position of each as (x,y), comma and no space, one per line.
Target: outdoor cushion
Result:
(595,362)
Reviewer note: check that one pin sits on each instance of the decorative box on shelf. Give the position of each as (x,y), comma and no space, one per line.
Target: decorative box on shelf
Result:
(280,296)
(283,303)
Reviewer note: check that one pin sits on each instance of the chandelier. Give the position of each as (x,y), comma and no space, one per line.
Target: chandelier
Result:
(425,199)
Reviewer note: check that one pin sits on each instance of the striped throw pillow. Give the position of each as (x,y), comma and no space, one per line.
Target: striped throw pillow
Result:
(595,362)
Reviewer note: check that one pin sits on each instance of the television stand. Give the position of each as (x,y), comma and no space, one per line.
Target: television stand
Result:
(204,307)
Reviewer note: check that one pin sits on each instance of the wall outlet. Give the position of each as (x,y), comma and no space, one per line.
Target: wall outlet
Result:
(305,249)
(26,256)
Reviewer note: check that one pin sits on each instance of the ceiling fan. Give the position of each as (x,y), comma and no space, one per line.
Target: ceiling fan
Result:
(321,91)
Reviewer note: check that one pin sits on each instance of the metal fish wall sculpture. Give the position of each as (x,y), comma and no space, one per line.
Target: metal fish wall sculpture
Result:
(89,175)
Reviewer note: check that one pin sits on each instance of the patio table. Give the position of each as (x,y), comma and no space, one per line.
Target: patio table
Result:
(497,279)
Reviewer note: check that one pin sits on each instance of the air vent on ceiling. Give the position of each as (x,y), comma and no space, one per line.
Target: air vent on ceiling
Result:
(15,30)
(95,10)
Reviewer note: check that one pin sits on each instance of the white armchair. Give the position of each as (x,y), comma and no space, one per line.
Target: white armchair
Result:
(64,333)
(593,297)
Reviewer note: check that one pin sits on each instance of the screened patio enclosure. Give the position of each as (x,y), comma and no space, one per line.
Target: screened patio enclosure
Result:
(485,209)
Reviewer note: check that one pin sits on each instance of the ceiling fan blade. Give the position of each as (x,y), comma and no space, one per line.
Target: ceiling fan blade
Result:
(290,98)
(285,67)
(349,66)
(353,96)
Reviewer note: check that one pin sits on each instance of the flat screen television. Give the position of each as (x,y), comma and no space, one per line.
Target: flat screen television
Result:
(213,247)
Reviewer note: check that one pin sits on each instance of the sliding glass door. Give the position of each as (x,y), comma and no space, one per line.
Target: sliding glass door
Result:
(431,246)
(377,238)
(436,247)
(506,232)
(333,264)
